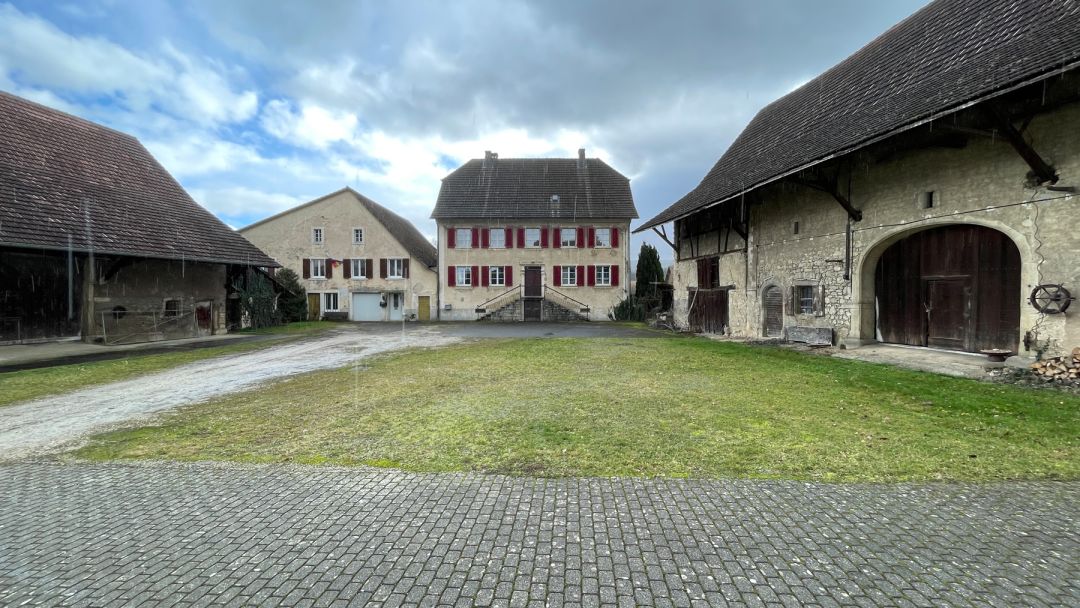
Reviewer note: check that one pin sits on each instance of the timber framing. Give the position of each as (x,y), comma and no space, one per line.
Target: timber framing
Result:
(831,187)
(1043,172)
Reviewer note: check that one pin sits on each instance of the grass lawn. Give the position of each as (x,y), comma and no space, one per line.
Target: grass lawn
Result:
(630,407)
(34,383)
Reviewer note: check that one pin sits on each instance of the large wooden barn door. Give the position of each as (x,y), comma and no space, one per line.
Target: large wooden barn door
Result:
(955,287)
(773,303)
(710,311)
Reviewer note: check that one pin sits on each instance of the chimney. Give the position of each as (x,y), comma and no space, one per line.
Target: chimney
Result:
(581,158)
(490,158)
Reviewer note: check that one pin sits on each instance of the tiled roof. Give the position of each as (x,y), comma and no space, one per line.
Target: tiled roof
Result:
(400,228)
(67,182)
(514,188)
(947,55)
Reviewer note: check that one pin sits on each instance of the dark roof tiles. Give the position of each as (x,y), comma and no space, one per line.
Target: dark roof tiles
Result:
(946,55)
(521,188)
(67,182)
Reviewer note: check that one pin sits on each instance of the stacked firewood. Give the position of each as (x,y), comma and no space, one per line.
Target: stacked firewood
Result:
(1065,368)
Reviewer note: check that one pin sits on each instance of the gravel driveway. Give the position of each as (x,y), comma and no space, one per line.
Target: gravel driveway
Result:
(46,424)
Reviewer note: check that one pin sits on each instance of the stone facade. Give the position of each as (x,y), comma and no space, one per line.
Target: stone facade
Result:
(459,303)
(983,183)
(288,238)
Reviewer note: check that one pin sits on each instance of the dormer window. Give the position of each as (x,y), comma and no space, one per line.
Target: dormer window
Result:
(555,199)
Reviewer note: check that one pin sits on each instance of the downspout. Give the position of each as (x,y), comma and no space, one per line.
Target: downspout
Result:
(439,257)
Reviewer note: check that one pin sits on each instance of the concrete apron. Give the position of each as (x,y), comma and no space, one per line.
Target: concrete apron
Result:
(948,362)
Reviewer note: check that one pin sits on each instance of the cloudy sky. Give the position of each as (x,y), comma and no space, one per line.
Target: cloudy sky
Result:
(256,106)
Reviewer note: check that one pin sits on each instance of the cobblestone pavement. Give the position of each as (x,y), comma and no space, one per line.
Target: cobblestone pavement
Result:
(163,534)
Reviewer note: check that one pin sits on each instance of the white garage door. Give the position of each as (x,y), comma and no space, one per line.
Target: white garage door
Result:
(365,307)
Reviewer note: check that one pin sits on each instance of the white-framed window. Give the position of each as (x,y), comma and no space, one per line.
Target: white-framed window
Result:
(602,238)
(603,276)
(318,268)
(357,236)
(569,276)
(330,301)
(496,276)
(358,267)
(463,238)
(395,268)
(497,238)
(318,236)
(568,237)
(464,276)
(532,237)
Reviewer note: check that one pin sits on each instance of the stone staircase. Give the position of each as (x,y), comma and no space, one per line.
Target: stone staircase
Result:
(513,312)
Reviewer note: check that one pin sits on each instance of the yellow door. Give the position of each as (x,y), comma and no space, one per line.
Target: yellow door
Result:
(313,307)
(424,312)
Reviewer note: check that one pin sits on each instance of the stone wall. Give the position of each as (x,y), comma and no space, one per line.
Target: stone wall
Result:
(983,183)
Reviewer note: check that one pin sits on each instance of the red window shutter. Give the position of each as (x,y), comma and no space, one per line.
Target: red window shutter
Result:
(556,237)
(557,279)
(509,243)
(521,238)
(581,276)
(509,276)
(476,238)
(614,236)
(475,276)
(484,276)
(329,264)
(543,237)
(405,268)
(307,268)
(614,276)
(451,276)
(591,278)
(451,238)
(592,237)
(485,238)
(382,268)
(369,268)
(346,268)
(580,236)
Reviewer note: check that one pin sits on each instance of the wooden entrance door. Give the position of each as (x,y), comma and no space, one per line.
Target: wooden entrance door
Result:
(948,307)
(710,311)
(423,311)
(773,303)
(534,286)
(313,306)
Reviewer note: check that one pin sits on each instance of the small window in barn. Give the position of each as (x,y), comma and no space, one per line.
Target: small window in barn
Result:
(464,276)
(532,237)
(603,276)
(795,227)
(497,276)
(171,308)
(395,268)
(804,296)
(928,200)
(358,236)
(358,267)
(318,268)
(330,302)
(603,237)
(317,236)
(568,237)
(569,276)
(463,238)
(497,238)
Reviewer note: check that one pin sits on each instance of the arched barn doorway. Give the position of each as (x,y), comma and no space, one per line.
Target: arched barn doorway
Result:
(955,287)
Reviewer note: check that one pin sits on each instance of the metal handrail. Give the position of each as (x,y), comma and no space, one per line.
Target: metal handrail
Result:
(482,308)
(584,306)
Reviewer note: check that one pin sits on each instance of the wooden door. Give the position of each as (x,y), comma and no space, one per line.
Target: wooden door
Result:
(773,303)
(533,282)
(313,306)
(948,311)
(204,318)
(423,311)
(710,311)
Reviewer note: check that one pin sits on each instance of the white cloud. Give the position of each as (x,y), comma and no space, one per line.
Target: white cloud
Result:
(312,126)
(242,202)
(199,154)
(42,55)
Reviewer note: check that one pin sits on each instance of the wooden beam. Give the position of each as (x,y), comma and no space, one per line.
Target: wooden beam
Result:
(1042,170)
(833,191)
(662,233)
